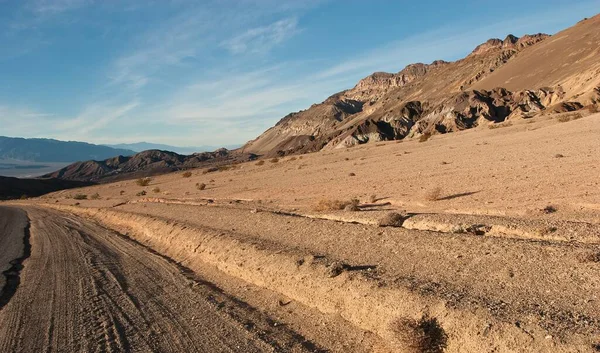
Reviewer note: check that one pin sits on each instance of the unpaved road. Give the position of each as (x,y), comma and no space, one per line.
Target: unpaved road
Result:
(13,222)
(87,289)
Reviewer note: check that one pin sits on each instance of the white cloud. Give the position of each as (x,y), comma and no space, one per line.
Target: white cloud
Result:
(262,39)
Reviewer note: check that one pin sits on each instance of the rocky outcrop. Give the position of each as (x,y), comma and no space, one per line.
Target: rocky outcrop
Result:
(510,42)
(442,97)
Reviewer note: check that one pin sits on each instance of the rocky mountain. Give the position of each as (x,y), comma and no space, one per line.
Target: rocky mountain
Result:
(514,78)
(146,163)
(49,150)
(11,188)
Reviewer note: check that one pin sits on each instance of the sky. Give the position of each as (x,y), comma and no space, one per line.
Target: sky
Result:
(220,72)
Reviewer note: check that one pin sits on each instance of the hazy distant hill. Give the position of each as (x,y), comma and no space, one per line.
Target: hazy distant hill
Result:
(145,146)
(49,150)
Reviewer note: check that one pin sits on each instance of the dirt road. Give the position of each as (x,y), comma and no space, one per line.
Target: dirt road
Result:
(87,289)
(13,222)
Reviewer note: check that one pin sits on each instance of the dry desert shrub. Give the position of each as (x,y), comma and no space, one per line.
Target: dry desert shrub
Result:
(143,181)
(122,192)
(156,190)
(80,197)
(568,117)
(434,194)
(95,196)
(426,136)
(274,160)
(24,197)
(549,209)
(499,125)
(589,257)
(352,206)
(334,205)
(392,219)
(186,174)
(141,193)
(261,162)
(419,336)
(200,186)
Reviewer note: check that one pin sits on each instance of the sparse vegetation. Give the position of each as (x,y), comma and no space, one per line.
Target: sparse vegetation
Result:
(80,197)
(141,193)
(568,117)
(426,136)
(187,174)
(352,206)
(500,125)
(261,162)
(122,192)
(24,197)
(292,159)
(424,335)
(558,155)
(351,174)
(588,257)
(156,190)
(334,205)
(274,160)
(434,194)
(200,186)
(549,209)
(143,181)
(95,196)
(392,219)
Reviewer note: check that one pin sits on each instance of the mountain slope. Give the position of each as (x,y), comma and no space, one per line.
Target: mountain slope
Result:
(49,150)
(442,97)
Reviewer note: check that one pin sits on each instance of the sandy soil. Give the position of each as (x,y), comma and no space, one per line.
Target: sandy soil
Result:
(503,257)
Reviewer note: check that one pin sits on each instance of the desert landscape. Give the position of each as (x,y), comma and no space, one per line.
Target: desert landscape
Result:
(449,207)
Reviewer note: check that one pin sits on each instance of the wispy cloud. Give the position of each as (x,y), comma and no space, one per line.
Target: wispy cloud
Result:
(50,7)
(262,39)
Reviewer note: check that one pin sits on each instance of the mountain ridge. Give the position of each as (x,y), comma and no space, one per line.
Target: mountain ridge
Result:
(442,97)
(51,150)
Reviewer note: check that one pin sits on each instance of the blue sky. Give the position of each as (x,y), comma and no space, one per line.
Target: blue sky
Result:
(221,72)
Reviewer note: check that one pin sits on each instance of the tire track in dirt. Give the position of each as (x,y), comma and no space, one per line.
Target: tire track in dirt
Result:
(85,288)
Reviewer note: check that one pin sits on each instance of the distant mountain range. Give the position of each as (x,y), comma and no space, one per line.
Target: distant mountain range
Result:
(49,150)
(145,146)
